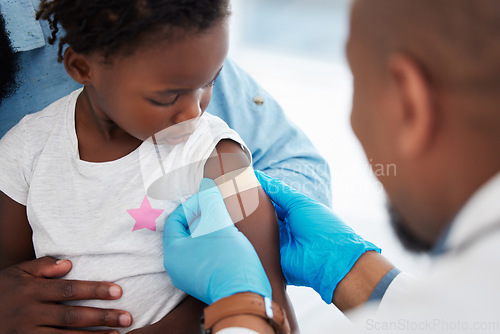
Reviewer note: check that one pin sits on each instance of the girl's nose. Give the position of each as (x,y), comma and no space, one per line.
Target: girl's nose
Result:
(191,108)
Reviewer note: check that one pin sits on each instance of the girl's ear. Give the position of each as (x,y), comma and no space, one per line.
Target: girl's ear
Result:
(77,65)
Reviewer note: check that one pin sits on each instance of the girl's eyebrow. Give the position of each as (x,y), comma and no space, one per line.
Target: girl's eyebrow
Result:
(185,90)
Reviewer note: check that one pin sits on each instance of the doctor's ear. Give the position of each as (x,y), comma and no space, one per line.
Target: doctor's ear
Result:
(417,113)
(77,65)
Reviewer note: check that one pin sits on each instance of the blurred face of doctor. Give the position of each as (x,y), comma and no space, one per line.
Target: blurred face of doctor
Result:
(426,80)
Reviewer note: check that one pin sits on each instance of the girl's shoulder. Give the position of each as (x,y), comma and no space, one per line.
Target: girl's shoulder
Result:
(49,116)
(25,143)
(211,131)
(54,117)
(34,130)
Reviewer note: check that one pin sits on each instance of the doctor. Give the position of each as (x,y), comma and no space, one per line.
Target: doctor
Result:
(426,83)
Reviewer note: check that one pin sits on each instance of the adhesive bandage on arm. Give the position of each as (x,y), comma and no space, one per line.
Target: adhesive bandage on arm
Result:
(237,181)
(233,186)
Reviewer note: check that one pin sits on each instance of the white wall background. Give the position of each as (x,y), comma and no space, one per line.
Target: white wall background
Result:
(295,50)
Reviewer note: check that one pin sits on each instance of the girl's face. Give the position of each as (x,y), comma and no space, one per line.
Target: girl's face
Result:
(160,85)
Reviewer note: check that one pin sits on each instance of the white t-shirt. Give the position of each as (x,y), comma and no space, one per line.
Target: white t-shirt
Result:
(99,215)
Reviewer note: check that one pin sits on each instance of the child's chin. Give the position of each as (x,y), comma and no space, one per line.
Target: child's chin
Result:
(177,140)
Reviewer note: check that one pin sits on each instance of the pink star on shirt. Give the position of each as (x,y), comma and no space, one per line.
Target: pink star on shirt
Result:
(145,216)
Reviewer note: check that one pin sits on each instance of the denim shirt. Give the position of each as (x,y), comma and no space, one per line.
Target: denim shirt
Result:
(25,32)
(278,147)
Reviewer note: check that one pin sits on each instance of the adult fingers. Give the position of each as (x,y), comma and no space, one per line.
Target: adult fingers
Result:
(282,195)
(284,234)
(186,217)
(49,330)
(207,197)
(212,210)
(178,222)
(182,219)
(280,212)
(58,290)
(46,266)
(64,316)
(211,202)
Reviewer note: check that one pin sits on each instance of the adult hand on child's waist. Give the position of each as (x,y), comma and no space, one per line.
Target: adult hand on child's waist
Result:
(31,295)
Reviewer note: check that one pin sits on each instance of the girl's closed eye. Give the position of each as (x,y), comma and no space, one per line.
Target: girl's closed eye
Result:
(174,99)
(165,103)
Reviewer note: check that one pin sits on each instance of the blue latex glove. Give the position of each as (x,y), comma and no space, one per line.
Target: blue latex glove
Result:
(205,254)
(317,249)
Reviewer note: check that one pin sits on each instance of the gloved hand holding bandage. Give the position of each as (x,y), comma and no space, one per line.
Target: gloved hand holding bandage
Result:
(205,254)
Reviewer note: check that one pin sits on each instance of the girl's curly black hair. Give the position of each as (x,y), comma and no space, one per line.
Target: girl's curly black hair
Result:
(8,63)
(114,27)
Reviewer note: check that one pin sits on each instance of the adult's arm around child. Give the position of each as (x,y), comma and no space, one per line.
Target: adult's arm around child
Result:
(15,233)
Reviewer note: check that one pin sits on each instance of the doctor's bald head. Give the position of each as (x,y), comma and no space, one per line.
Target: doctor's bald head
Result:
(456,42)
(426,98)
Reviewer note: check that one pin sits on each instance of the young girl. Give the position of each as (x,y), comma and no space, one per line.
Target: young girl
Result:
(77,173)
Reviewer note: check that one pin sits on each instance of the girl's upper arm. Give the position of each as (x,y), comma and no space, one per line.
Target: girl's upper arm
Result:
(15,233)
(260,225)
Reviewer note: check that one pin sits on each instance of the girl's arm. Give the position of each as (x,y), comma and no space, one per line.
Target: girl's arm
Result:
(261,226)
(15,233)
